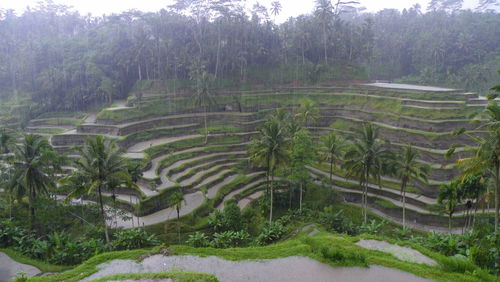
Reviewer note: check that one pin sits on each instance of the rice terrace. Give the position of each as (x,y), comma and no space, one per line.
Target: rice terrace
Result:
(222,141)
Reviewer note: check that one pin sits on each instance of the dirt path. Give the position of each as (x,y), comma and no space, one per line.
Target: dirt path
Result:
(289,269)
(9,268)
(402,253)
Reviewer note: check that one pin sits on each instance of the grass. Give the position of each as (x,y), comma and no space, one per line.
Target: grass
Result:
(332,249)
(43,266)
(381,103)
(175,275)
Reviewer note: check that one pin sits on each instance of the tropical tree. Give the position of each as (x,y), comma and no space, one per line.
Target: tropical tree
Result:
(307,112)
(99,167)
(6,142)
(270,150)
(449,196)
(472,188)
(407,168)
(332,150)
(302,155)
(486,155)
(32,164)
(367,157)
(276,8)
(203,97)
(176,200)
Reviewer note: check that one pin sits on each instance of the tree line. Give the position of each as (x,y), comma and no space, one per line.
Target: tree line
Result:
(62,60)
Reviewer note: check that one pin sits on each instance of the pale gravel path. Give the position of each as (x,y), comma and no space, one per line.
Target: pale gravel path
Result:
(422,198)
(9,268)
(243,203)
(289,269)
(409,87)
(212,192)
(402,253)
(233,193)
(192,201)
(203,173)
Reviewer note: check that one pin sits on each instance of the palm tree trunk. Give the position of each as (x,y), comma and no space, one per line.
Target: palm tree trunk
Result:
(178,224)
(331,168)
(449,222)
(103,216)
(497,187)
(300,203)
(271,200)
(404,208)
(206,128)
(324,44)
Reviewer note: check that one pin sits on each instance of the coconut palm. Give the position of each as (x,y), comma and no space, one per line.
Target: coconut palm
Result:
(408,168)
(6,142)
(31,165)
(366,158)
(332,149)
(486,158)
(203,97)
(99,167)
(449,197)
(177,200)
(270,150)
(307,112)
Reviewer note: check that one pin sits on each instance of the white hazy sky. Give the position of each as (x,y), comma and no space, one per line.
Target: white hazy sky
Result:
(290,7)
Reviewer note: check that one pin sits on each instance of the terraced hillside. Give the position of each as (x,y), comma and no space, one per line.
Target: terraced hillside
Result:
(165,132)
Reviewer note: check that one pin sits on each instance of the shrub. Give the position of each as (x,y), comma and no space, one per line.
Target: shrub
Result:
(198,240)
(229,239)
(133,239)
(457,263)
(373,227)
(271,232)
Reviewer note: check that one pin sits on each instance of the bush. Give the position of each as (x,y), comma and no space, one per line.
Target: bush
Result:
(457,263)
(133,239)
(373,227)
(229,239)
(271,232)
(229,219)
(337,221)
(343,256)
(198,240)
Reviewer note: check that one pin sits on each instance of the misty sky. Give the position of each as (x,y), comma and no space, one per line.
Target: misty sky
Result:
(290,7)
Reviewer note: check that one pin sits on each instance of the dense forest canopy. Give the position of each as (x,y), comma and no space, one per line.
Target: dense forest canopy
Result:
(62,60)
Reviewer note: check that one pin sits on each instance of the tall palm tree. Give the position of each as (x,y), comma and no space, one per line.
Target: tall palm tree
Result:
(32,164)
(307,112)
(366,158)
(6,142)
(270,150)
(449,196)
(332,148)
(177,200)
(408,168)
(486,158)
(99,167)
(203,97)
(276,8)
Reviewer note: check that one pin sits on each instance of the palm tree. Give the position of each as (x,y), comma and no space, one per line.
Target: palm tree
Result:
(332,149)
(408,168)
(324,12)
(32,164)
(307,112)
(486,157)
(276,8)
(203,98)
(366,157)
(270,150)
(449,196)
(6,141)
(177,200)
(99,167)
